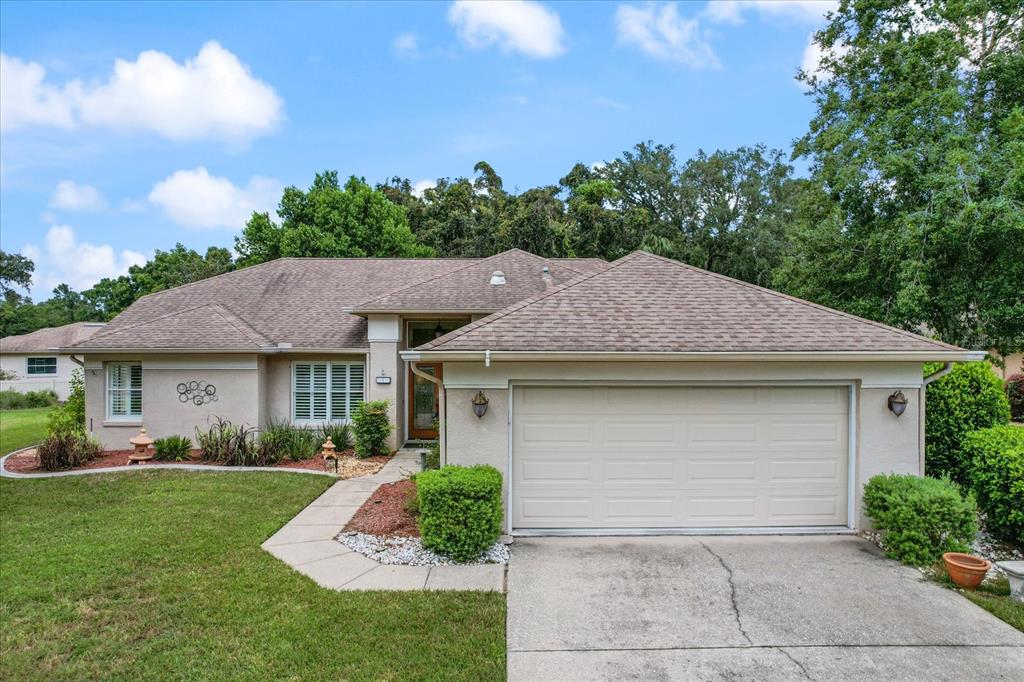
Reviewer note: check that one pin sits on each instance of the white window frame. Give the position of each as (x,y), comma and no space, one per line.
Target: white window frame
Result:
(110,391)
(28,366)
(331,367)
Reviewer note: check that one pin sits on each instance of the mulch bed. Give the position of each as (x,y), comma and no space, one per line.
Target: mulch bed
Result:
(349,466)
(385,514)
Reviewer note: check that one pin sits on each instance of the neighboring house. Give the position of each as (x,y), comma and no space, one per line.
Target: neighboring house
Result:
(33,361)
(1012,364)
(640,395)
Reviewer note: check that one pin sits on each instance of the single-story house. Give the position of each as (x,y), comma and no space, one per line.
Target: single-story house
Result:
(33,362)
(637,396)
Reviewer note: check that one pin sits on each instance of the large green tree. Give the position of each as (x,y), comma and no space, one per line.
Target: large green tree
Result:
(329,220)
(15,271)
(916,214)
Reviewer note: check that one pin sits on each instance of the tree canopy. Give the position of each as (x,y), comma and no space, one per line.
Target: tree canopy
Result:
(912,211)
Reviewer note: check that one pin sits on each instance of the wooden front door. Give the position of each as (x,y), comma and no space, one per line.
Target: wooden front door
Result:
(424,403)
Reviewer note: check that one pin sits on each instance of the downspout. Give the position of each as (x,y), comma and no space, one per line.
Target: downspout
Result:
(442,420)
(947,367)
(80,363)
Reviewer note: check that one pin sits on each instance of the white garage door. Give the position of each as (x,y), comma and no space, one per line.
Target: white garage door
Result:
(679,457)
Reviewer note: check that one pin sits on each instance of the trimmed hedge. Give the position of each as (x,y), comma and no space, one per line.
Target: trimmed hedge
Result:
(460,510)
(371,427)
(997,478)
(920,518)
(969,398)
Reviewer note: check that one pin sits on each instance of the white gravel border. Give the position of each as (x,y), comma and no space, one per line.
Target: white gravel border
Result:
(394,551)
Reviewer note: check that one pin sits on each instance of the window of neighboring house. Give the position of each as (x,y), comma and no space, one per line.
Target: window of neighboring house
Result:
(42,366)
(326,391)
(124,390)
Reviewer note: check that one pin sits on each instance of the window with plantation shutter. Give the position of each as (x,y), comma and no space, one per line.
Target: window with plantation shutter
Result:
(325,391)
(124,391)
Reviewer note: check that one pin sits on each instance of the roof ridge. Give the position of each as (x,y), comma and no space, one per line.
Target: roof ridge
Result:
(111,332)
(231,317)
(452,272)
(515,307)
(795,299)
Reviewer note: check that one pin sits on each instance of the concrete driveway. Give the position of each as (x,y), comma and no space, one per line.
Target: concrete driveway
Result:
(741,608)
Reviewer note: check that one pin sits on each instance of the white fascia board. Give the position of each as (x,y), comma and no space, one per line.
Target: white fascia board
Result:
(726,356)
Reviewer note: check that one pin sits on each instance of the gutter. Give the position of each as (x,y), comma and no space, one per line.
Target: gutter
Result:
(946,356)
(938,374)
(266,350)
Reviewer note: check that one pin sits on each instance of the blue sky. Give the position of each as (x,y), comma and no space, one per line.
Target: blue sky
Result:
(128,127)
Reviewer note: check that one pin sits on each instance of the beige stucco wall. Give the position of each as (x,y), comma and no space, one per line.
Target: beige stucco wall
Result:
(1012,364)
(384,361)
(251,390)
(478,440)
(884,442)
(278,385)
(235,377)
(17,363)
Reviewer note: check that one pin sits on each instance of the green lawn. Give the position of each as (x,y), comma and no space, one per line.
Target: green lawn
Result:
(991,595)
(159,575)
(19,428)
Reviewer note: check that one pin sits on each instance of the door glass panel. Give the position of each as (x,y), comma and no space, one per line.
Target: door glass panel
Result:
(424,398)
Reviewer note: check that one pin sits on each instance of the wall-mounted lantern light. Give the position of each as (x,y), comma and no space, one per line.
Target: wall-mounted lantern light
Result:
(897,403)
(438,331)
(480,404)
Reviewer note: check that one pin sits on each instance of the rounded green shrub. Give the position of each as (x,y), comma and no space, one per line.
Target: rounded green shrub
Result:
(371,427)
(460,510)
(969,398)
(997,479)
(920,518)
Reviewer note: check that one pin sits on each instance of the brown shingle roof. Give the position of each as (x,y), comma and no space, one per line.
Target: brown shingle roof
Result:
(49,338)
(290,300)
(210,326)
(646,303)
(469,287)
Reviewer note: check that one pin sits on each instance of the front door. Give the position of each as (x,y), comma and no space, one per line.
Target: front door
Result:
(424,403)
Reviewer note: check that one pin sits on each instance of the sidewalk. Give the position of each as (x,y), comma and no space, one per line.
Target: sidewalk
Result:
(307,544)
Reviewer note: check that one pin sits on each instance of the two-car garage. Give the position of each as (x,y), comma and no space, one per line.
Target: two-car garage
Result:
(617,457)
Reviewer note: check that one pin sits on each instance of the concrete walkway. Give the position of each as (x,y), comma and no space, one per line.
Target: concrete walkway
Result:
(307,544)
(741,608)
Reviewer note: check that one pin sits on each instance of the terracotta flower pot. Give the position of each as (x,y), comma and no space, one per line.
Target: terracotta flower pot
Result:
(966,570)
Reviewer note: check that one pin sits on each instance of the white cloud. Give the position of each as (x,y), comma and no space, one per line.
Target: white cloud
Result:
(63,259)
(407,45)
(662,33)
(71,196)
(213,95)
(422,186)
(807,11)
(811,62)
(513,25)
(196,199)
(25,99)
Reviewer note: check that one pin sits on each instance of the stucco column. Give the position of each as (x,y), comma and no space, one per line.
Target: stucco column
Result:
(383,332)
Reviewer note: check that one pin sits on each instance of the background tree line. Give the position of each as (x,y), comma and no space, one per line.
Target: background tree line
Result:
(912,212)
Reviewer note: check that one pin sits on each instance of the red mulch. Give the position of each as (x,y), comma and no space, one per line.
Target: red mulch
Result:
(385,514)
(26,463)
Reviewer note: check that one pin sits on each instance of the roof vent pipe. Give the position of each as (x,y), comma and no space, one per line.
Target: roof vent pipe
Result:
(498,278)
(546,276)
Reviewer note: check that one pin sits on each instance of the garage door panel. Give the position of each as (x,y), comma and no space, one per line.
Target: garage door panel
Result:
(644,471)
(729,456)
(545,432)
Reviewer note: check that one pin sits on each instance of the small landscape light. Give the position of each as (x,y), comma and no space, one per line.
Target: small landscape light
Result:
(480,404)
(897,403)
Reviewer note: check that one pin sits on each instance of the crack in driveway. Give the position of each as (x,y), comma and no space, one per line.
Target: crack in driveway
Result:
(732,592)
(795,662)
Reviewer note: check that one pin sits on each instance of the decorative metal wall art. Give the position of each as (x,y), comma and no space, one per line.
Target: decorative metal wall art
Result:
(197,392)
